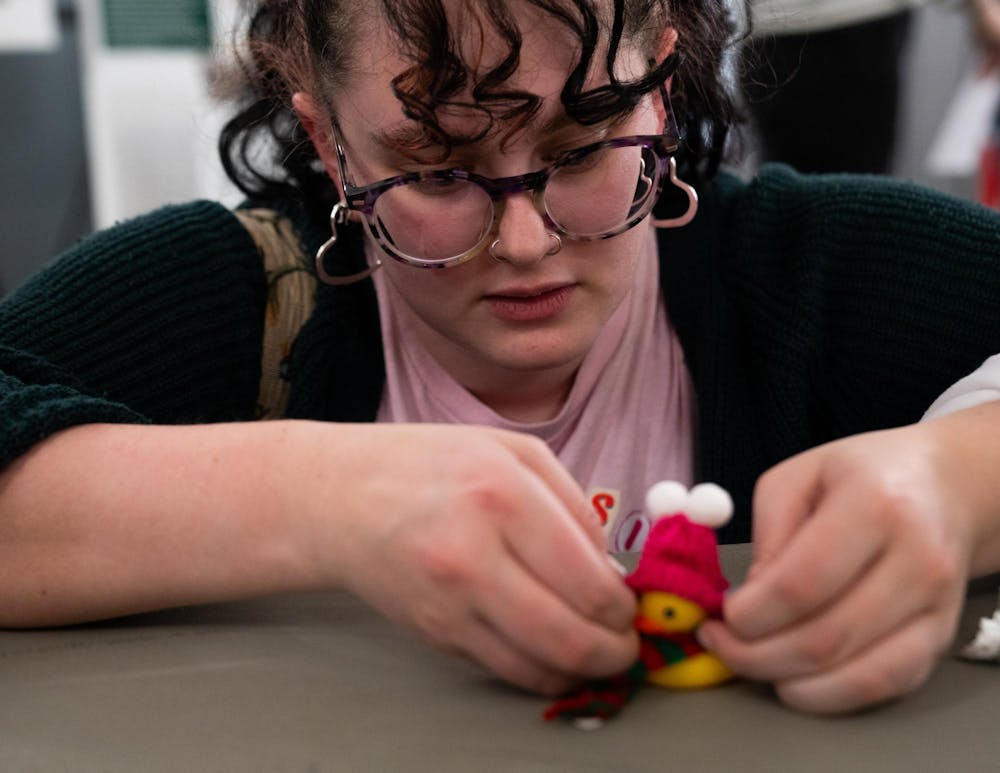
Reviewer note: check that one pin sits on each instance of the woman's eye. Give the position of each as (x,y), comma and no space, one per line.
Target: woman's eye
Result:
(436,186)
(582,163)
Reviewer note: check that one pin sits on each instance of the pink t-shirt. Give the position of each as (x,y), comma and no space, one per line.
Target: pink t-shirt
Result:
(627,423)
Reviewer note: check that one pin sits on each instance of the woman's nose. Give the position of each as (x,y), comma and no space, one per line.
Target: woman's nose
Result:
(522,238)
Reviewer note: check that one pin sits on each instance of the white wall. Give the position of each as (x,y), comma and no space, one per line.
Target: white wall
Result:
(939,54)
(151,123)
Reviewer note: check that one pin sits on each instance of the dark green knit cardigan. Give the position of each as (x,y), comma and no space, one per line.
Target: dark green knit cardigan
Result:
(809,308)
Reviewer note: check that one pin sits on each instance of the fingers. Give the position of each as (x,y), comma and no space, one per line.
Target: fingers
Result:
(550,632)
(510,621)
(493,610)
(843,673)
(481,643)
(537,456)
(896,665)
(892,594)
(550,546)
(543,529)
(826,556)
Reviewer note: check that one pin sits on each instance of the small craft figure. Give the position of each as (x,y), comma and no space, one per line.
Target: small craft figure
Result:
(679,584)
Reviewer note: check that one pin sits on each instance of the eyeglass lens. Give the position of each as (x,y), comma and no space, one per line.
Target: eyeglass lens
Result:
(592,196)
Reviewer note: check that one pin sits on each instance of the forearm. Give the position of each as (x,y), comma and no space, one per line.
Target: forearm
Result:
(104,520)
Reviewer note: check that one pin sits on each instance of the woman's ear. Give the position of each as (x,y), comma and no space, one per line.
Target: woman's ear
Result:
(317,126)
(668,44)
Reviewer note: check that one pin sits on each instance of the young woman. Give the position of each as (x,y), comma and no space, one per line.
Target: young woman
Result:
(509,329)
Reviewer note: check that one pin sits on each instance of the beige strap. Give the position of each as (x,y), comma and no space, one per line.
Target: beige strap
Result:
(291,290)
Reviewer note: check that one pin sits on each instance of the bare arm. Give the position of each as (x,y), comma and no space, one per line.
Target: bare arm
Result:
(476,538)
(103,520)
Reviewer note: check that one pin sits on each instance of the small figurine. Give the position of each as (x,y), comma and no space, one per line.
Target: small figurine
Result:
(679,584)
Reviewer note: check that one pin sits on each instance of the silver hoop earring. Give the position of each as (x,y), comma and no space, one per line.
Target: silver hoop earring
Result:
(338,217)
(692,194)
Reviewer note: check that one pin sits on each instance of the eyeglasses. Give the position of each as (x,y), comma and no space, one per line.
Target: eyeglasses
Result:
(442,218)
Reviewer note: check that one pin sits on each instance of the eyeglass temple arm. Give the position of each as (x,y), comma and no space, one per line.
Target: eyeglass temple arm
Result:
(670,127)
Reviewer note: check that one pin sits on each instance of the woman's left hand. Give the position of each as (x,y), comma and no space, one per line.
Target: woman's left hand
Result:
(862,549)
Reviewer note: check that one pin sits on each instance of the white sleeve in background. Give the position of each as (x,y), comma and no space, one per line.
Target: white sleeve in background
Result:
(980,386)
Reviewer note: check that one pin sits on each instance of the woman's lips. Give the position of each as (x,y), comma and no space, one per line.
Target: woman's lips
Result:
(528,306)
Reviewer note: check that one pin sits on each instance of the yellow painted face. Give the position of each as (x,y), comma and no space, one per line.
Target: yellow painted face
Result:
(667,612)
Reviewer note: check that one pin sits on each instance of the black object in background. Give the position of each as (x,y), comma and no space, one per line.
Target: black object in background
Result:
(44,188)
(828,101)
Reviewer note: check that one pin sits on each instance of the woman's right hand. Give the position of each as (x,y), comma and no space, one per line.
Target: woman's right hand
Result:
(479,540)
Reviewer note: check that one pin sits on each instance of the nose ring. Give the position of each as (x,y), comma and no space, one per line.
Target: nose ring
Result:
(556,246)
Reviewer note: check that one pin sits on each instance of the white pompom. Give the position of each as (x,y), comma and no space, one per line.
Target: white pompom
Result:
(710,505)
(668,497)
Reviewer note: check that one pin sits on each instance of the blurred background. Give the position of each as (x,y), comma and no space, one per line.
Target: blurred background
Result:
(107,113)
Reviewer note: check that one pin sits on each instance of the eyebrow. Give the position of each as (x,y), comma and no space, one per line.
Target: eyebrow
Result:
(411,134)
(404,135)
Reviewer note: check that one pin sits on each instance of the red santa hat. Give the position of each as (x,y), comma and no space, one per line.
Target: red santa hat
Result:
(681,554)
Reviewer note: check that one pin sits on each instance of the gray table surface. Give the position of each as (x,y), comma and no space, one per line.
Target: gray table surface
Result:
(307,683)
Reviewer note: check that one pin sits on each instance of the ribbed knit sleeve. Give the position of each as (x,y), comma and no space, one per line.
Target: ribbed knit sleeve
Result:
(874,294)
(158,319)
(814,307)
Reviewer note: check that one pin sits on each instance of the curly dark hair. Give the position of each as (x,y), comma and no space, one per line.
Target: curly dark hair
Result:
(307,45)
